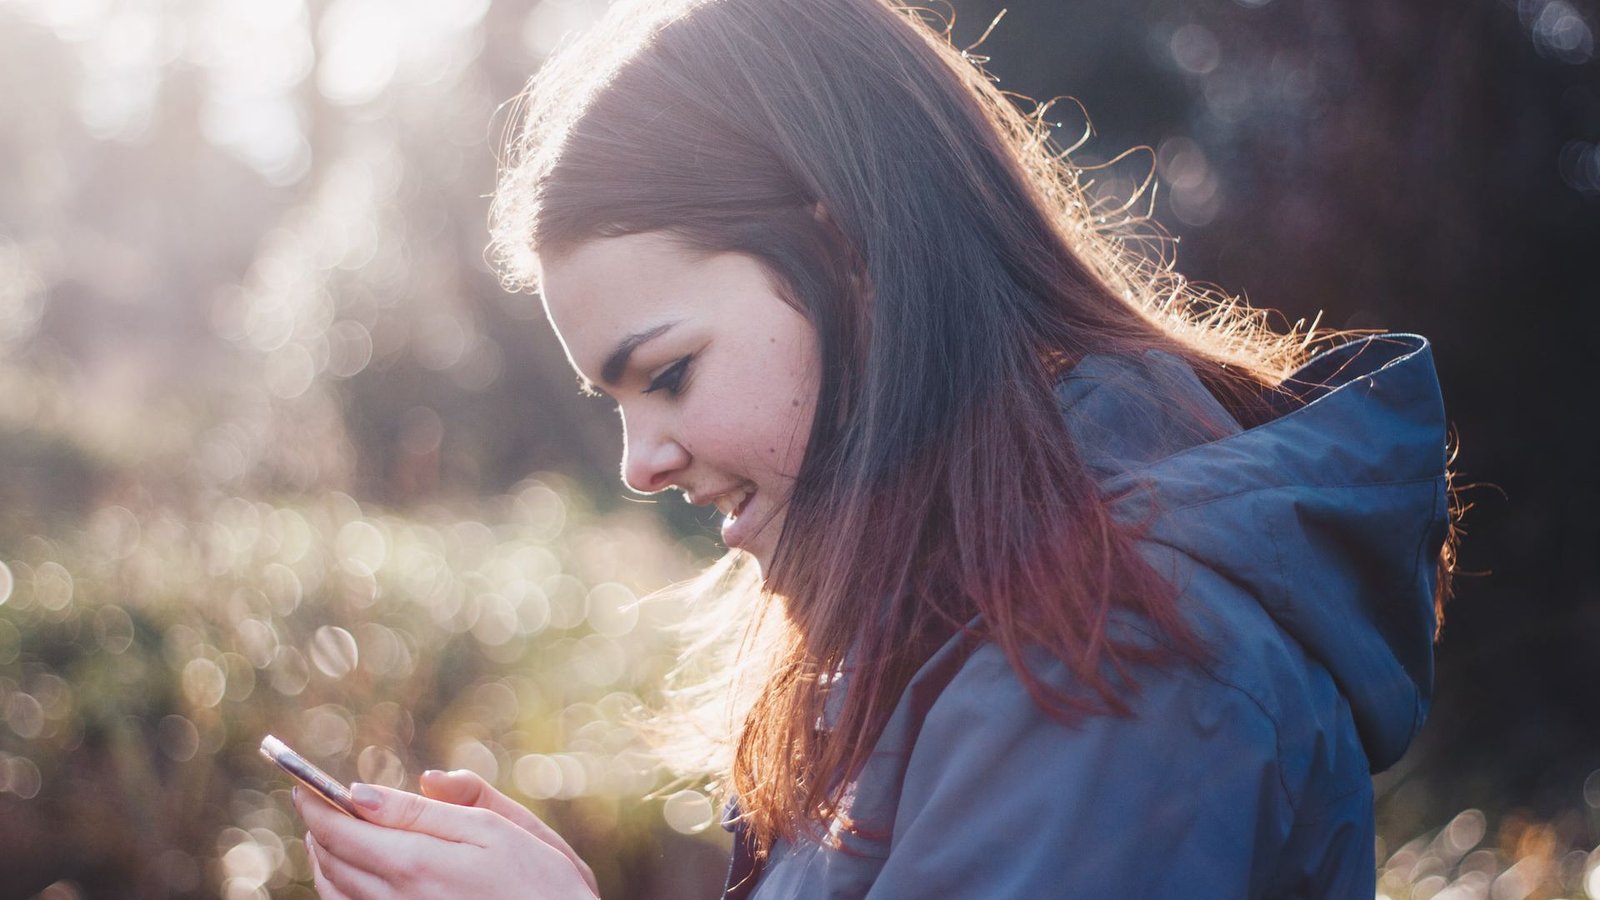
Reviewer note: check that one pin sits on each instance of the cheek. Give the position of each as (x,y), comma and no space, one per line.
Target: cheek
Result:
(793,408)
(761,431)
(804,383)
(755,412)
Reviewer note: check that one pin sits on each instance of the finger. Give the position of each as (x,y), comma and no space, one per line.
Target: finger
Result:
(468,788)
(449,787)
(372,848)
(325,889)
(404,811)
(318,815)
(351,881)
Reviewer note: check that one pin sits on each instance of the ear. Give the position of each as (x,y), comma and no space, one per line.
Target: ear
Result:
(858,280)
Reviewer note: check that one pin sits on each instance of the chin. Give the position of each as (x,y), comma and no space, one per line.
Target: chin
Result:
(761,558)
(761,547)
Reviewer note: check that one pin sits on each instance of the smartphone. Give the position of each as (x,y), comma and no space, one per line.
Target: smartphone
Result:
(319,782)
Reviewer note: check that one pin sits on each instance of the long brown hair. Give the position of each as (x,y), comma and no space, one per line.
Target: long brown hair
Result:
(953,267)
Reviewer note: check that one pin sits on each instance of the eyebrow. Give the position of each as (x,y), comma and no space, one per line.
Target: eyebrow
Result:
(617,360)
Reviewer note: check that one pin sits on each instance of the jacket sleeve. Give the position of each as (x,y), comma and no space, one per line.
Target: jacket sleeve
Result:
(1183,799)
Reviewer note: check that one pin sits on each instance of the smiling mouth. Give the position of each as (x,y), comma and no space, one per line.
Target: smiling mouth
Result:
(733,503)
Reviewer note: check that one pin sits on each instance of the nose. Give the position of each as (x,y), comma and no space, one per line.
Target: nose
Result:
(651,458)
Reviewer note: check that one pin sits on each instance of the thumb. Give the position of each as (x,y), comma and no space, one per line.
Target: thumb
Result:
(467,788)
(450,787)
(464,787)
(411,812)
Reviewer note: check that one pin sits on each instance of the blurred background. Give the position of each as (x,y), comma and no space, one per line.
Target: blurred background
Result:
(277,453)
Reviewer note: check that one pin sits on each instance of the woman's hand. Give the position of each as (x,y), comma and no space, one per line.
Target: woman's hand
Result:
(415,846)
(465,787)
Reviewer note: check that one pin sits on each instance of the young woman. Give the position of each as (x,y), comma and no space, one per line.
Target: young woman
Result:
(1049,576)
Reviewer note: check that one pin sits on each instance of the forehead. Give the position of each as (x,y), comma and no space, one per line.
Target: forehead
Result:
(608,280)
(602,290)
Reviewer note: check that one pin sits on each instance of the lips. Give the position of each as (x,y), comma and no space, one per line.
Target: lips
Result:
(735,527)
(731,502)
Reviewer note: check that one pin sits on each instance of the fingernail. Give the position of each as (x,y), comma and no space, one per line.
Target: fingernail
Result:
(435,773)
(294,793)
(365,795)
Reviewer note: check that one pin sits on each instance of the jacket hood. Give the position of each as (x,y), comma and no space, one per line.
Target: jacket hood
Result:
(1331,515)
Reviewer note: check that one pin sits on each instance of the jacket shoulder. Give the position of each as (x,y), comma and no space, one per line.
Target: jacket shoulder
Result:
(1192,778)
(1126,411)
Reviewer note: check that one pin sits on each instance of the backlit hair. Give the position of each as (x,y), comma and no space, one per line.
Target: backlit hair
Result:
(953,267)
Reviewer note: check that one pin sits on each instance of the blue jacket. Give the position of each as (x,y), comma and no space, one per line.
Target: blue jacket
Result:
(1304,550)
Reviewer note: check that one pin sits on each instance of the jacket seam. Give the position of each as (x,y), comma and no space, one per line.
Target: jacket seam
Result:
(1419,346)
(1399,482)
(1418,711)
(1322,817)
(1277,731)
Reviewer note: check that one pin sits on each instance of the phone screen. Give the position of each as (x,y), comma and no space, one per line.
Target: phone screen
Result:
(321,783)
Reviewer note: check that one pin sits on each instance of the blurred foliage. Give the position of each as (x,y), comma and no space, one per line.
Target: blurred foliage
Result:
(236,291)
(277,454)
(143,656)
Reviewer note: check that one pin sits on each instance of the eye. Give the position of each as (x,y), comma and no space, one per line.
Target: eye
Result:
(672,379)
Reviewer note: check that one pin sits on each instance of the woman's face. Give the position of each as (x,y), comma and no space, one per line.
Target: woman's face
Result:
(714,374)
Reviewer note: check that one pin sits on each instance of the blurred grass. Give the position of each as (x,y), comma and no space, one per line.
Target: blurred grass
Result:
(144,654)
(265,417)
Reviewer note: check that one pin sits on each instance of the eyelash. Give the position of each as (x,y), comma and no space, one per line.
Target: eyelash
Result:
(672,379)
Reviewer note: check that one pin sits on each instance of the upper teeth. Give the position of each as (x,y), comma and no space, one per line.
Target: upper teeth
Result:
(727,503)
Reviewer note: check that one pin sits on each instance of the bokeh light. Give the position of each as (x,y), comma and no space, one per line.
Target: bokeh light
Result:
(342,627)
(278,452)
(688,812)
